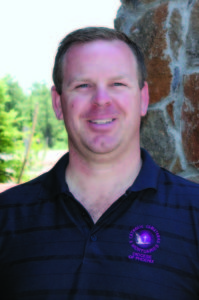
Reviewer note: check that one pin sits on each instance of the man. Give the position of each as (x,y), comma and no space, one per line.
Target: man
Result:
(106,222)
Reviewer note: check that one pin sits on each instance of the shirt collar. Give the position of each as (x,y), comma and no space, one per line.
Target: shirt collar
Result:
(54,182)
(148,175)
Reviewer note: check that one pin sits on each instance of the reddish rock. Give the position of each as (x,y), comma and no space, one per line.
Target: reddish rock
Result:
(148,1)
(190,116)
(157,64)
(150,33)
(170,111)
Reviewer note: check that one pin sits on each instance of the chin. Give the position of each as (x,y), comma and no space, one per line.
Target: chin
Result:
(103,149)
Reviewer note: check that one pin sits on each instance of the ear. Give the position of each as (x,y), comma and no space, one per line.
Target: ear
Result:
(144,99)
(56,102)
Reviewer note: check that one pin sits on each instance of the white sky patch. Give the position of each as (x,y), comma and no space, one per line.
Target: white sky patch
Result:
(31,31)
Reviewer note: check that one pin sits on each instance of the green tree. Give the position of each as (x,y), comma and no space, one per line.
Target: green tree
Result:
(17,102)
(8,134)
(48,127)
(16,127)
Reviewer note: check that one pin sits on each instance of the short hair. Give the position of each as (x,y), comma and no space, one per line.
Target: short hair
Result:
(89,34)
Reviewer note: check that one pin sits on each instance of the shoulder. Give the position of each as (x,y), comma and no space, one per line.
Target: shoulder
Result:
(45,186)
(23,192)
(169,179)
(154,177)
(177,189)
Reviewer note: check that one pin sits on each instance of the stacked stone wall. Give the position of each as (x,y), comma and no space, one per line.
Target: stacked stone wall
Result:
(168,34)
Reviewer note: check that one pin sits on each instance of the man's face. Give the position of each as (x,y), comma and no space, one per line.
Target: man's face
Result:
(101,102)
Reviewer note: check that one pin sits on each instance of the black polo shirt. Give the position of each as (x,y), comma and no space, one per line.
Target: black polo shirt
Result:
(145,246)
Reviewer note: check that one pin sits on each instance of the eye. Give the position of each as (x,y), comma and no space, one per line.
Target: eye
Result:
(83,85)
(118,84)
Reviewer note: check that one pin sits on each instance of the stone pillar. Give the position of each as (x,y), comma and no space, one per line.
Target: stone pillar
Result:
(168,34)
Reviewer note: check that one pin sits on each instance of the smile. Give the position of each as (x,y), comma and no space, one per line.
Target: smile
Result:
(107,121)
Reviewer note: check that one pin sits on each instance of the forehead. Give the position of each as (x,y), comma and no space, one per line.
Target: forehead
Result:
(99,50)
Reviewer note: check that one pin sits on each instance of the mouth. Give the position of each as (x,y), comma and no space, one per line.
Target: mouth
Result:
(101,122)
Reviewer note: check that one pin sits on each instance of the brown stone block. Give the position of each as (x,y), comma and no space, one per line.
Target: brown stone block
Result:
(190,116)
(158,65)
(148,1)
(159,79)
(150,33)
(170,111)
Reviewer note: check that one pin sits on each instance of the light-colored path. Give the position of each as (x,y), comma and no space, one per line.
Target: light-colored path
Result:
(46,161)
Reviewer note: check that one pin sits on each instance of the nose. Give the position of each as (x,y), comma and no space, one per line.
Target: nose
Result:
(101,96)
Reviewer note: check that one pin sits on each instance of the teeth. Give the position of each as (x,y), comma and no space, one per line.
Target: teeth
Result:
(102,121)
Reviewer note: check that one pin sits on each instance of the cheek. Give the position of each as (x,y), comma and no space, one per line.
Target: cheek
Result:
(77,107)
(72,110)
(73,103)
(129,103)
(68,107)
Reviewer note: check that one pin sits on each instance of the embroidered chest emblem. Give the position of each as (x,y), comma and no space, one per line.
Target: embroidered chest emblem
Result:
(144,239)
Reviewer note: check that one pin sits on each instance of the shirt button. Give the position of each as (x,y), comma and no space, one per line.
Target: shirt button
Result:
(93,238)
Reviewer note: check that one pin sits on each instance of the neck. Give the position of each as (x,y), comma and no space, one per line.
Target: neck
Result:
(98,183)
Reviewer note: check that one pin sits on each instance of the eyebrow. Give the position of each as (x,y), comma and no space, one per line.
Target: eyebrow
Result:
(77,79)
(123,76)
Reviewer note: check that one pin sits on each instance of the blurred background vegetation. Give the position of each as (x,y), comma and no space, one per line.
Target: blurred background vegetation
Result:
(28,128)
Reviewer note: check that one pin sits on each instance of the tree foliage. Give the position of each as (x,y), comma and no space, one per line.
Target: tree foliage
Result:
(8,134)
(16,120)
(17,100)
(48,126)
